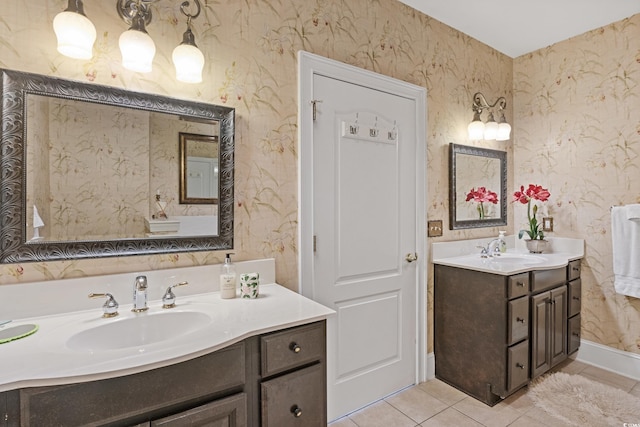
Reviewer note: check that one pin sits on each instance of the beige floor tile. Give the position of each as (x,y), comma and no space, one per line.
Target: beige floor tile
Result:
(442,391)
(497,416)
(609,378)
(450,417)
(571,366)
(417,404)
(381,414)
(343,422)
(519,401)
(537,418)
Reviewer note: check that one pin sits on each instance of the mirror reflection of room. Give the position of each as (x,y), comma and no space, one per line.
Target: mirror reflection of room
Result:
(97,172)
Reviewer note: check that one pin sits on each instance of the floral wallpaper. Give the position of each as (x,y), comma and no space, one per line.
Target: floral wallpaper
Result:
(577,133)
(570,105)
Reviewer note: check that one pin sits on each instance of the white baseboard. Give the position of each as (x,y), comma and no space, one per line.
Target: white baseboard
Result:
(610,359)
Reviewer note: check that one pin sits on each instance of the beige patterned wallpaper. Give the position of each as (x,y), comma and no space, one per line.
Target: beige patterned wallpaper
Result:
(578,134)
(250,48)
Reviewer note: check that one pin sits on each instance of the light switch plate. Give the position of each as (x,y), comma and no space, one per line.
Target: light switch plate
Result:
(434,228)
(547,223)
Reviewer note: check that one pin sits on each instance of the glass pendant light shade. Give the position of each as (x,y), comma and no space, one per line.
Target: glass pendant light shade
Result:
(137,47)
(476,128)
(504,131)
(75,32)
(490,128)
(188,60)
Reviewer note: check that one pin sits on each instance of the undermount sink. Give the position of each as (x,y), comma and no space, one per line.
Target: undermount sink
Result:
(141,330)
(519,258)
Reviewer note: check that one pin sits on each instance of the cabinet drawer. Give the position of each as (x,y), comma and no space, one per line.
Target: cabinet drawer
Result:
(518,359)
(295,399)
(518,285)
(575,295)
(574,334)
(231,411)
(518,320)
(573,269)
(546,279)
(294,347)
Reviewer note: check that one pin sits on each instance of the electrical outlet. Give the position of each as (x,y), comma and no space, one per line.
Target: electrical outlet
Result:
(434,228)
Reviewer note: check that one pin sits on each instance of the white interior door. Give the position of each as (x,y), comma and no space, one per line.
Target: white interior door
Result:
(364,179)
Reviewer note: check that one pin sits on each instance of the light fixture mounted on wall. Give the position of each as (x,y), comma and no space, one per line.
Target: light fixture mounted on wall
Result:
(76,35)
(491,130)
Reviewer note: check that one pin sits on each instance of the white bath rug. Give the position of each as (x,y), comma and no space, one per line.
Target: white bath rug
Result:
(578,401)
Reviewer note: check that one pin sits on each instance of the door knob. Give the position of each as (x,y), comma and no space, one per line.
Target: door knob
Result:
(411,257)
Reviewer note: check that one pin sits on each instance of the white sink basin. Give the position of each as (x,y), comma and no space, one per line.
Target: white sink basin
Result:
(142,330)
(519,258)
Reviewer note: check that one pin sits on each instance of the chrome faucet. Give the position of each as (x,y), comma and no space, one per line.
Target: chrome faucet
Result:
(492,249)
(140,294)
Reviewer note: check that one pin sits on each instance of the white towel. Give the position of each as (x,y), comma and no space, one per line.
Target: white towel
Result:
(633,212)
(625,236)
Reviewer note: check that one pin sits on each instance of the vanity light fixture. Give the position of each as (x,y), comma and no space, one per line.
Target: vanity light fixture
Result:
(136,46)
(74,31)
(491,130)
(76,35)
(187,58)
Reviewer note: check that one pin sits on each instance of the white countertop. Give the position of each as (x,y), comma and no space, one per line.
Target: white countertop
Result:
(465,254)
(44,359)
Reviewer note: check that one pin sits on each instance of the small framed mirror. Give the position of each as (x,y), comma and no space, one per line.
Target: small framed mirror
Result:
(199,169)
(477,187)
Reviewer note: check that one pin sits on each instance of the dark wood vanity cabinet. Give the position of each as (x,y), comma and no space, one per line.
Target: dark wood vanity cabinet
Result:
(494,333)
(276,379)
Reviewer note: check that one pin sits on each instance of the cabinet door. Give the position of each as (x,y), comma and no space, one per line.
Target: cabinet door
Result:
(540,320)
(296,399)
(227,412)
(558,325)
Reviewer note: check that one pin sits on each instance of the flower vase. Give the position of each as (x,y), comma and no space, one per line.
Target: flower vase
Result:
(481,210)
(536,246)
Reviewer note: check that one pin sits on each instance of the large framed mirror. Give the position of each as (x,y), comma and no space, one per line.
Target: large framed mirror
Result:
(477,187)
(92,171)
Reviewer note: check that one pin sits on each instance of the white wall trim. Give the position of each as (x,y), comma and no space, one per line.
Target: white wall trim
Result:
(609,358)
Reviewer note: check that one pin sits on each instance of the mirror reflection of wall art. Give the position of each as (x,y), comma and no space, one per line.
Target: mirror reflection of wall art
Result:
(478,179)
(199,172)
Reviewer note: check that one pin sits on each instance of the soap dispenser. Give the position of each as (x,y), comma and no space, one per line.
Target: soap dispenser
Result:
(228,279)
(502,243)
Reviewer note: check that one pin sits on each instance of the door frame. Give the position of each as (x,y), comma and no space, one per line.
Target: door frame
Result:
(308,65)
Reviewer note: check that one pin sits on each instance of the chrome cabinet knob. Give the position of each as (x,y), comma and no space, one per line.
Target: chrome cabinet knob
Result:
(296,411)
(295,347)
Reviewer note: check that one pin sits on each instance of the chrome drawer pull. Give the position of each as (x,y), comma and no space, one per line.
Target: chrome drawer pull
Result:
(296,411)
(295,347)
(521,284)
(519,365)
(576,298)
(520,319)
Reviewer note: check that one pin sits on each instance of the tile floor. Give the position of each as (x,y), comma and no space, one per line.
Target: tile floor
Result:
(435,404)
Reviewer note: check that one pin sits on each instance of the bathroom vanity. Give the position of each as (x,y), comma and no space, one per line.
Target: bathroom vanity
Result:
(274,379)
(238,362)
(501,322)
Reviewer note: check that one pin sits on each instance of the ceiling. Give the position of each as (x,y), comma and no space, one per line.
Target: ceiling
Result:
(516,27)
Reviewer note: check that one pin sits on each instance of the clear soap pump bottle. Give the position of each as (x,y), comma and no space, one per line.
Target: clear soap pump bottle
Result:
(228,279)
(502,243)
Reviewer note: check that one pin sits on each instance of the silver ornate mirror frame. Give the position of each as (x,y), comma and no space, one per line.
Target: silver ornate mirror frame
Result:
(455,220)
(14,246)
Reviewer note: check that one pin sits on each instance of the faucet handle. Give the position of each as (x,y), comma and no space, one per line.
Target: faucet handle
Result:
(110,307)
(169,298)
(483,253)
